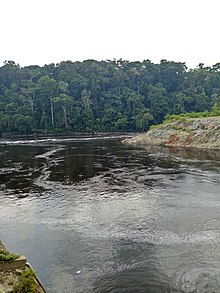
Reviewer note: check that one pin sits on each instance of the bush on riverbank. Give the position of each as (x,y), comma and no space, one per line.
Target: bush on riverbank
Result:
(27,283)
(7,256)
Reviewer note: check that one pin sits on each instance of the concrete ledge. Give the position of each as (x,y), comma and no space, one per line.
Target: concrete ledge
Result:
(2,247)
(18,263)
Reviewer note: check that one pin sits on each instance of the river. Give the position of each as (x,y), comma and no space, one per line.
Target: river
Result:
(94,215)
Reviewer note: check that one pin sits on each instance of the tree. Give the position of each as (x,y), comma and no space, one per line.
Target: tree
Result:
(46,90)
(158,102)
(216,107)
(142,119)
(64,102)
(112,95)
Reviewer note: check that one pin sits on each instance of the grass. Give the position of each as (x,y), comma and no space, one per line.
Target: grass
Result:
(185,117)
(192,115)
(27,283)
(7,256)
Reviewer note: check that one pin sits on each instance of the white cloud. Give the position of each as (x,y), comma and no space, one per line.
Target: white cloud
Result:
(45,31)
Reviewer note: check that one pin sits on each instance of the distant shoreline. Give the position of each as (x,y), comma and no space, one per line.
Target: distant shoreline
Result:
(61,134)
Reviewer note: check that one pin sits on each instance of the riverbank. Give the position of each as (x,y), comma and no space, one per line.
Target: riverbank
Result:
(201,133)
(61,134)
(16,275)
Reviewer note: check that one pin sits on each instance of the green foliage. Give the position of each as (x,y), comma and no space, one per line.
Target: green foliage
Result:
(7,256)
(27,283)
(216,107)
(111,95)
(191,115)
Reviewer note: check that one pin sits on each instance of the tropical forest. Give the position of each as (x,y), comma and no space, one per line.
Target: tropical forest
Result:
(102,96)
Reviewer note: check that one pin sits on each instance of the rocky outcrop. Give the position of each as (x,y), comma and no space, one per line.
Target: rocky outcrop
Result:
(187,132)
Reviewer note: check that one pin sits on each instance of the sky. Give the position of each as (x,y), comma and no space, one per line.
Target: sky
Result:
(38,32)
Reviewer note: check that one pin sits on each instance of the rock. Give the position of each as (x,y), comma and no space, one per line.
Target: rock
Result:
(192,132)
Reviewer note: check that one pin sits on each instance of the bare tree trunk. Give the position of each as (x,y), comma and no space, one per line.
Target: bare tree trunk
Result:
(65,118)
(51,110)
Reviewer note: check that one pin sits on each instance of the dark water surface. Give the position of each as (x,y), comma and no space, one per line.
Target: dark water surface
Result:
(93,215)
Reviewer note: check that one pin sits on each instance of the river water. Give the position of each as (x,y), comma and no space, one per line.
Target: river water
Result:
(94,215)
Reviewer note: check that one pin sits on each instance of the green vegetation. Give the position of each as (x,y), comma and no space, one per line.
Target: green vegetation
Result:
(192,115)
(216,108)
(7,256)
(111,95)
(187,117)
(27,283)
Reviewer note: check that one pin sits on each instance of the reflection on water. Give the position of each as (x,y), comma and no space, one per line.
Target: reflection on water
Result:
(94,215)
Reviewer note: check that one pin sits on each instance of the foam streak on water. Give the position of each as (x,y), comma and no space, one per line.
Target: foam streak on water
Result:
(93,215)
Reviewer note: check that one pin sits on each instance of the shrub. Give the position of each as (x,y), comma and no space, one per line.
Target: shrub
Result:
(27,283)
(7,256)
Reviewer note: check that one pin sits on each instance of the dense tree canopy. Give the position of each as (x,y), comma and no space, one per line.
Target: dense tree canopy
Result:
(112,95)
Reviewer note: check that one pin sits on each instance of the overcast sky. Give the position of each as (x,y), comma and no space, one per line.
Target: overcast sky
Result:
(49,31)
